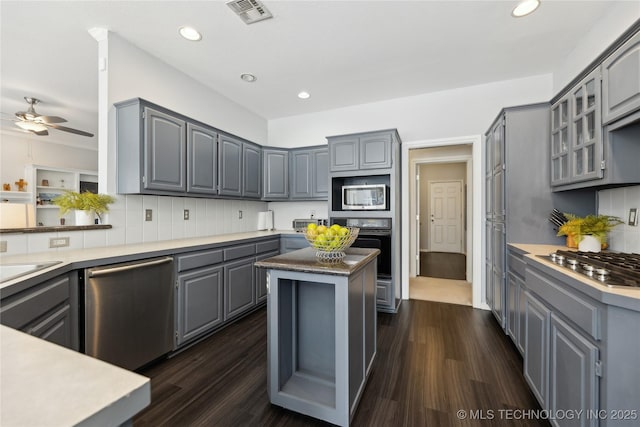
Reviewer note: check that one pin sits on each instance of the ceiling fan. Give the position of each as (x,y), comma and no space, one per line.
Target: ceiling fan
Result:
(35,123)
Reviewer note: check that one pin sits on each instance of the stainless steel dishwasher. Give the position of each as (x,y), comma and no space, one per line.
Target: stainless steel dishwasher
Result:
(128,312)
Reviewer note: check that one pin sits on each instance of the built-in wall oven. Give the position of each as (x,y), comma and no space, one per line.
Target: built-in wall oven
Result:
(374,233)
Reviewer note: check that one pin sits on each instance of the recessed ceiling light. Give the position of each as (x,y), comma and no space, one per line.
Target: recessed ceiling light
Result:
(303,95)
(525,7)
(190,33)
(248,77)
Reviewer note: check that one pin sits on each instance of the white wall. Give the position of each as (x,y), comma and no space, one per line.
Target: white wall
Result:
(285,212)
(463,111)
(620,17)
(617,202)
(17,151)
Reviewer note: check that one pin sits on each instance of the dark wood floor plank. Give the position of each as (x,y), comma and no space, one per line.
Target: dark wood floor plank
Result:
(433,360)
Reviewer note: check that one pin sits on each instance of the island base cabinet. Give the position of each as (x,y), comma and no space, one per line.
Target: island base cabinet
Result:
(321,341)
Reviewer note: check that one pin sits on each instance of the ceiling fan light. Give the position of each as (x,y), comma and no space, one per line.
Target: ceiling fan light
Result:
(524,8)
(31,126)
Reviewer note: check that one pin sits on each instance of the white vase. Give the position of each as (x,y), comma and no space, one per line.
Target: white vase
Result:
(85,217)
(589,244)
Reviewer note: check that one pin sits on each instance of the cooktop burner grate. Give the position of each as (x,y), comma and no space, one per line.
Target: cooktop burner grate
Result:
(610,269)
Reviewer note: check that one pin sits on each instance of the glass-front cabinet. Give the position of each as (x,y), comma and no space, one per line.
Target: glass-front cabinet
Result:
(576,140)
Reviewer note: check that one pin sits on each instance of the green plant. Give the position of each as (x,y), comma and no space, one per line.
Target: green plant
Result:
(595,225)
(72,200)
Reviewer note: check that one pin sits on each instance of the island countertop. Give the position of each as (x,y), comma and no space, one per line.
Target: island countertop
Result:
(305,261)
(44,384)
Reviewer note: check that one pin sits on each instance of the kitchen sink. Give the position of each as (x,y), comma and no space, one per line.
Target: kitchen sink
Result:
(13,271)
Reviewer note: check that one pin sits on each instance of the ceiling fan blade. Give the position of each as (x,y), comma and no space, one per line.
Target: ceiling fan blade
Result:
(40,133)
(50,119)
(70,130)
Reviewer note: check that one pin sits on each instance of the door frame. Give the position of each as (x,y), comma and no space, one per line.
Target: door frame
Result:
(474,211)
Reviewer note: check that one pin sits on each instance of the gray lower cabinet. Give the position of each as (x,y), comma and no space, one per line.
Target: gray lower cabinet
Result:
(309,174)
(573,382)
(621,81)
(516,291)
(536,357)
(275,181)
(47,310)
(361,152)
(292,242)
(202,160)
(199,302)
(239,287)
(261,278)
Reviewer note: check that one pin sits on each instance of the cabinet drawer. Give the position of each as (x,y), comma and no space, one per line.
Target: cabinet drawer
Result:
(516,265)
(21,309)
(239,251)
(199,259)
(579,310)
(383,293)
(271,245)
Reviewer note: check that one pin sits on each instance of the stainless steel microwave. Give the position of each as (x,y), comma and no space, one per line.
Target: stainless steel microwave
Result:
(364,197)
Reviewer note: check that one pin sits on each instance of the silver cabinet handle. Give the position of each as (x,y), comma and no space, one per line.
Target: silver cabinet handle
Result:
(105,271)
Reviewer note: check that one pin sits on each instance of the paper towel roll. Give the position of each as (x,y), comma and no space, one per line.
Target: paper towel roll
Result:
(262,220)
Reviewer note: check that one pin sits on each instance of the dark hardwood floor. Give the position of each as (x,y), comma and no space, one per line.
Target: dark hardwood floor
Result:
(433,360)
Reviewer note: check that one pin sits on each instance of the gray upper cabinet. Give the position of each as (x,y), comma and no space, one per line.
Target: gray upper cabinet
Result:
(252,171)
(230,149)
(576,133)
(164,151)
(275,181)
(621,81)
(366,151)
(202,156)
(309,178)
(344,153)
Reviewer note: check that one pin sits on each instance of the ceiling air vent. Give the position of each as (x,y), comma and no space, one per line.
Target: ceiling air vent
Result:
(250,11)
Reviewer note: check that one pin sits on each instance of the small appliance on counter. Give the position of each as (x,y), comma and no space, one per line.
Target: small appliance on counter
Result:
(265,220)
(299,224)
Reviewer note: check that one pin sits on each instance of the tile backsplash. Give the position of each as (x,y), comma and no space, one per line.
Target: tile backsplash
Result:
(618,202)
(207,217)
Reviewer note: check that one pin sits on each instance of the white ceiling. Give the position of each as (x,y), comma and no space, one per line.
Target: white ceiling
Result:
(342,52)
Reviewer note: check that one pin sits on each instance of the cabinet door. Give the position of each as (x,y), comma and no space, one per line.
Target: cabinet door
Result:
(239,287)
(164,152)
(499,169)
(621,81)
(585,134)
(488,186)
(230,165)
(276,174)
(300,183)
(252,171)
(56,327)
(344,154)
(573,383)
(320,171)
(537,318)
(375,151)
(498,282)
(512,307)
(202,158)
(261,278)
(199,302)
(560,142)
(522,314)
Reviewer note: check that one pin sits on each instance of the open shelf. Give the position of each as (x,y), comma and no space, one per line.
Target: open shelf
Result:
(311,389)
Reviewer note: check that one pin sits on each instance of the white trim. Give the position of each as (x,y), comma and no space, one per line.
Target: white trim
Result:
(474,183)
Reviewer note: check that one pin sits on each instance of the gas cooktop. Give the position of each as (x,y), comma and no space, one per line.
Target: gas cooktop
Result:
(607,268)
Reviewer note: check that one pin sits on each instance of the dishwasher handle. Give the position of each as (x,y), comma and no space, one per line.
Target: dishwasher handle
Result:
(110,270)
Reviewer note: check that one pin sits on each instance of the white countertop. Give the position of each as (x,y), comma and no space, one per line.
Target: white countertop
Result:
(44,384)
(140,250)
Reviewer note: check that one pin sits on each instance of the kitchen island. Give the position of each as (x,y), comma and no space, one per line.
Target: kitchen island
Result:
(321,328)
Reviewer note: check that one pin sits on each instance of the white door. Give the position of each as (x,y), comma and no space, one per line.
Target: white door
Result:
(446,216)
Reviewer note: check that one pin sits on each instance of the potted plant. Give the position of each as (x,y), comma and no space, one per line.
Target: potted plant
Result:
(86,205)
(594,227)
